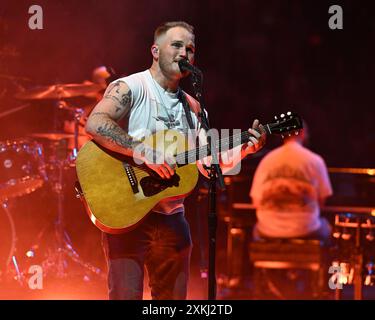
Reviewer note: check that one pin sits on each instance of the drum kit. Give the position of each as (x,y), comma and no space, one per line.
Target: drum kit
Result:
(27,164)
(354,237)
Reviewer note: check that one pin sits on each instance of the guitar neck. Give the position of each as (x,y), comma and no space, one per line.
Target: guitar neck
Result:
(218,146)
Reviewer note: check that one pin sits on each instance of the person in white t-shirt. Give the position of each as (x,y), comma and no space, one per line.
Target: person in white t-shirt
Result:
(144,103)
(290,185)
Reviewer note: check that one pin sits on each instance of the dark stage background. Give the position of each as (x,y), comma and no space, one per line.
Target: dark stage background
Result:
(259,58)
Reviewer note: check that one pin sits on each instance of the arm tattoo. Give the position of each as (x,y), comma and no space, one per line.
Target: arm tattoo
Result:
(113,86)
(115,134)
(113,93)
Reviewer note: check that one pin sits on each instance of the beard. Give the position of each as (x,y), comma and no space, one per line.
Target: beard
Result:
(167,67)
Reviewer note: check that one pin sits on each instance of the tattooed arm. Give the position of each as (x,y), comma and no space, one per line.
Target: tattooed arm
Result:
(102,125)
(102,122)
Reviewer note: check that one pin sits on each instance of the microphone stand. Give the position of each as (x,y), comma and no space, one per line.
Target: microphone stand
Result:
(214,172)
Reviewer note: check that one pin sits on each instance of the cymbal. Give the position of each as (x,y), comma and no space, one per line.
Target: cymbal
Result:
(59,91)
(5,113)
(54,136)
(11,77)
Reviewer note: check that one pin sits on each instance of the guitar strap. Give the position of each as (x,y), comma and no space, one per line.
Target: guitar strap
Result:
(186,106)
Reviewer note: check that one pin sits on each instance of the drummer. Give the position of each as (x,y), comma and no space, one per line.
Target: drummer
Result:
(99,76)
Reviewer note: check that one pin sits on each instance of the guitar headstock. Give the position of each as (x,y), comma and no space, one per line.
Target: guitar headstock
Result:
(286,123)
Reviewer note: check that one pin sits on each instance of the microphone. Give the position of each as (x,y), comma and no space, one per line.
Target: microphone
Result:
(186,66)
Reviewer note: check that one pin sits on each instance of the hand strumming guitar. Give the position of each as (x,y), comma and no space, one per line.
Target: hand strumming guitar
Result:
(162,163)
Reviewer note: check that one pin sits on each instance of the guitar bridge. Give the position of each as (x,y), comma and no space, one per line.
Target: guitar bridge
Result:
(154,185)
(131,176)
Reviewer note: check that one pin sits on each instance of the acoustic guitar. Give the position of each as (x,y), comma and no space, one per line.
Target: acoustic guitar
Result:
(118,193)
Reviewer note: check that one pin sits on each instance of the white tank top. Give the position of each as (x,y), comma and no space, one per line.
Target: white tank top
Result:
(153,109)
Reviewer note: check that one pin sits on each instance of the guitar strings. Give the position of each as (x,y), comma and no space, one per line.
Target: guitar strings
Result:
(191,155)
(203,151)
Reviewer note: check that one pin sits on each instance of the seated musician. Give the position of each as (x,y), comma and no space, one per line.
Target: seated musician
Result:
(289,187)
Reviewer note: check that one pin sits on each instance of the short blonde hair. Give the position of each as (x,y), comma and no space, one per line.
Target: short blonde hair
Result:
(163,28)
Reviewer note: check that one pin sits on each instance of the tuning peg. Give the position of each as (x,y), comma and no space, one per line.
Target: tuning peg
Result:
(296,133)
(288,113)
(282,115)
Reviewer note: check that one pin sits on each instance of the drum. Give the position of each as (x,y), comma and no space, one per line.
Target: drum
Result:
(354,235)
(346,226)
(355,229)
(22,168)
(8,240)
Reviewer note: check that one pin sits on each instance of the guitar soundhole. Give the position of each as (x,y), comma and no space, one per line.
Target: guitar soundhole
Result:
(153,185)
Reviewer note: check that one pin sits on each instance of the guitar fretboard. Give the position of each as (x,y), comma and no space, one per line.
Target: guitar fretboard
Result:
(218,146)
